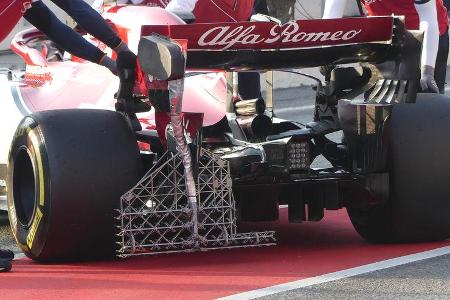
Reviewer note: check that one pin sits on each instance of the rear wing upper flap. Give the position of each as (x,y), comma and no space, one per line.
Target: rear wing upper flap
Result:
(269,35)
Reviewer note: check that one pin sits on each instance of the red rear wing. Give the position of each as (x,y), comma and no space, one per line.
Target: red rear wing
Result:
(269,36)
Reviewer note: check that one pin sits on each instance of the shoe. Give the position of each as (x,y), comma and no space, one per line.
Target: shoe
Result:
(5,265)
(6,255)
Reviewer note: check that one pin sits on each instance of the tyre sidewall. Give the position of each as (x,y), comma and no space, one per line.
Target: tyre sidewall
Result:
(30,237)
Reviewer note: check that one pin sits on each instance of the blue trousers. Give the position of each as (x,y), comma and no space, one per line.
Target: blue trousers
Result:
(65,37)
(440,69)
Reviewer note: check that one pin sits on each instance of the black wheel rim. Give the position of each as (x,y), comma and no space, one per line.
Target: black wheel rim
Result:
(24,187)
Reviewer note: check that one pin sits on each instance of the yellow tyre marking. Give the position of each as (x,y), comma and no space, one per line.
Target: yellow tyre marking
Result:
(34,227)
(35,144)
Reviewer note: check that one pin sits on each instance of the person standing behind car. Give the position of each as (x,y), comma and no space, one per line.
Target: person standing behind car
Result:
(427,15)
(71,41)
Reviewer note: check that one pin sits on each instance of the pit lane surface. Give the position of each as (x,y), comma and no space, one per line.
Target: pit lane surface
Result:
(304,251)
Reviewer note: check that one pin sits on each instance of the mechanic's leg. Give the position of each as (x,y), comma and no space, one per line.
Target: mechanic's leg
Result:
(249,82)
(440,70)
(249,85)
(6,254)
(260,7)
(91,21)
(5,265)
(5,260)
(43,19)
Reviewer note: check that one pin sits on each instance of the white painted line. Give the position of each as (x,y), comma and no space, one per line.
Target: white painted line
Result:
(293,109)
(394,262)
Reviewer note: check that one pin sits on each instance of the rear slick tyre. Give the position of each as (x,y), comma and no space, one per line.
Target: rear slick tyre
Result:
(67,170)
(418,208)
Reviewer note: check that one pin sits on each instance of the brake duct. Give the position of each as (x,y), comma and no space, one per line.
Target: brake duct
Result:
(184,203)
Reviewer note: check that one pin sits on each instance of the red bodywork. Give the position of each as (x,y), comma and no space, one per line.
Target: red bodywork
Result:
(10,13)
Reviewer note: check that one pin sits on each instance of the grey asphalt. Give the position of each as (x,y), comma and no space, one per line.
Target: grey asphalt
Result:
(429,279)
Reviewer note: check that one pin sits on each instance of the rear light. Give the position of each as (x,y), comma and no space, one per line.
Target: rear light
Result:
(298,156)
(288,155)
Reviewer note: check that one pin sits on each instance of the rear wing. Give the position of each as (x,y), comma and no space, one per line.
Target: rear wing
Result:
(392,51)
(265,45)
